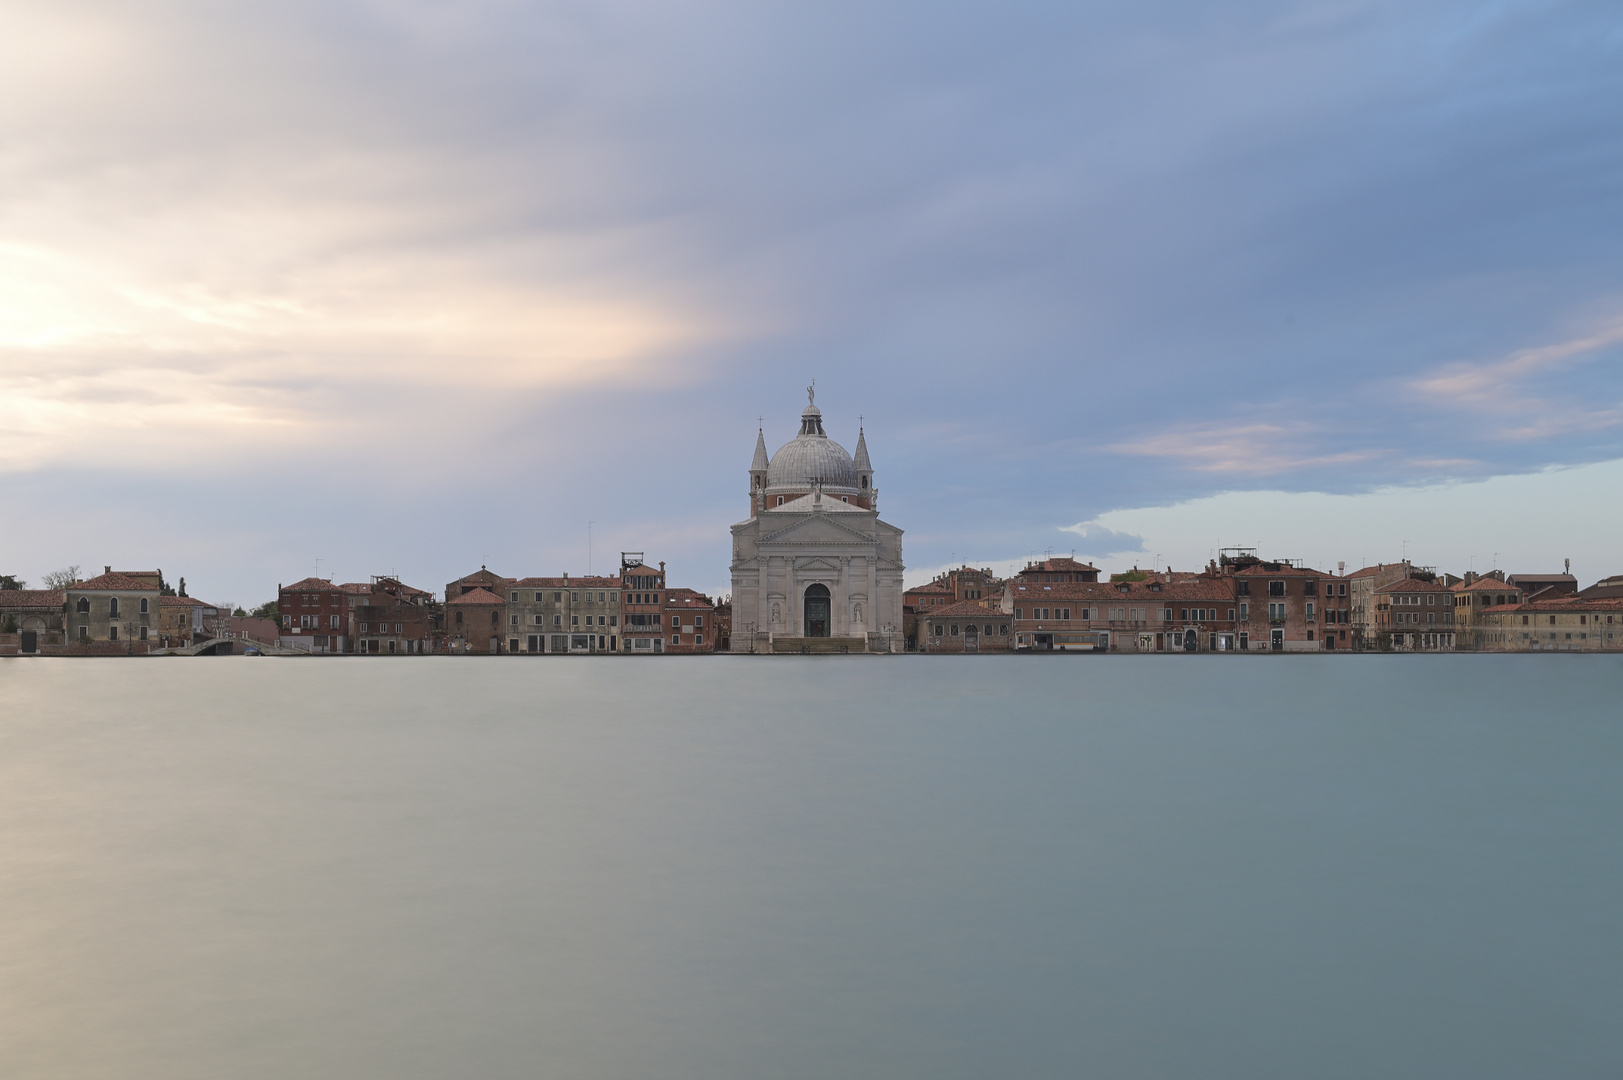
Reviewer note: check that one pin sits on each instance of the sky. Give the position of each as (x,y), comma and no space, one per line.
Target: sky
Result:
(407,287)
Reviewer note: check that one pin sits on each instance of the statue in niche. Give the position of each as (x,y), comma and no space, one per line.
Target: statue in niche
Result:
(856,612)
(777,612)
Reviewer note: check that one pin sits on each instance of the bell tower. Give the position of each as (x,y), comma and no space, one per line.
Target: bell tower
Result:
(758,474)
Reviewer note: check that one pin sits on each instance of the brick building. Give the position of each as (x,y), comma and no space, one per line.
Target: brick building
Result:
(689,622)
(395,619)
(315,616)
(475,621)
(1288,608)
(642,606)
(1061,571)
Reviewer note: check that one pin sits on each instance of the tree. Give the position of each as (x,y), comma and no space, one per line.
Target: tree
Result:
(164,588)
(10,625)
(9,582)
(267,610)
(239,614)
(61,579)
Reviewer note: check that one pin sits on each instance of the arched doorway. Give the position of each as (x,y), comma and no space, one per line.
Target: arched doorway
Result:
(818,608)
(1190,642)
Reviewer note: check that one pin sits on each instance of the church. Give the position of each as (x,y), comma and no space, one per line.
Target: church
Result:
(814,569)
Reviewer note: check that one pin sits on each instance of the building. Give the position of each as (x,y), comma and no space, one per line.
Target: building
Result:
(475,622)
(966,627)
(35,617)
(185,620)
(1283,607)
(248,628)
(642,605)
(1536,587)
(113,614)
(1604,589)
(1415,615)
(395,620)
(1061,571)
(483,578)
(1361,586)
(690,622)
(315,616)
(1565,623)
(1474,595)
(814,560)
(564,615)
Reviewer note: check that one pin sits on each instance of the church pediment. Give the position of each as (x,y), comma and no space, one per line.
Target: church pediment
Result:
(816,566)
(817,529)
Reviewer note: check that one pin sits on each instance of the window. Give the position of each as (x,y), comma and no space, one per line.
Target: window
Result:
(1310,588)
(1183,613)
(1276,588)
(84,633)
(1243,588)
(698,639)
(954,629)
(938,631)
(398,628)
(540,620)
(112,607)
(458,622)
(675,640)
(84,605)
(698,620)
(1064,613)
(364,629)
(600,597)
(614,620)
(1231,614)
(574,597)
(780,500)
(1245,612)
(574,620)
(557,597)
(143,605)
(1018,614)
(602,620)
(1310,611)
(1431,599)
(513,597)
(512,620)
(1003,629)
(112,633)
(557,620)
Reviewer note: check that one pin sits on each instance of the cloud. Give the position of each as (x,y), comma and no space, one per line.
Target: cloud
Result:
(1254,449)
(1097,540)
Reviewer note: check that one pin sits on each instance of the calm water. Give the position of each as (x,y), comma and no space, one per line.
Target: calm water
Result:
(733,868)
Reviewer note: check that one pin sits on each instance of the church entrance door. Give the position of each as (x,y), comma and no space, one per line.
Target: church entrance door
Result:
(817,611)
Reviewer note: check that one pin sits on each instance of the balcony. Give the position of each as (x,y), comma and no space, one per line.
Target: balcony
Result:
(1276,620)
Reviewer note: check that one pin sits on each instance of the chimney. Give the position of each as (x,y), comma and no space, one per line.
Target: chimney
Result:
(662,572)
(107,569)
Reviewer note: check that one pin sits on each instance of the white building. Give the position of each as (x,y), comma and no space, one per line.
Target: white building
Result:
(813,560)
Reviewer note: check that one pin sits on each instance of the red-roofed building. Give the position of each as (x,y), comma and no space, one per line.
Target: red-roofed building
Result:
(31,620)
(112,614)
(1061,571)
(1472,597)
(966,627)
(474,622)
(689,622)
(1288,608)
(1566,623)
(185,620)
(314,615)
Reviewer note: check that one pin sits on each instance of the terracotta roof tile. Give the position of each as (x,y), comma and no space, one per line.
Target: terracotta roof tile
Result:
(182,601)
(965,609)
(309,584)
(1414,585)
(477,596)
(32,598)
(114,582)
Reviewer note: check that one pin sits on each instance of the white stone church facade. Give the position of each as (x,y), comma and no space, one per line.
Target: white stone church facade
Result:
(813,561)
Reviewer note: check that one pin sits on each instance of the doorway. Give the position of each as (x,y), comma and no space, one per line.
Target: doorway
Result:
(818,609)
(30,642)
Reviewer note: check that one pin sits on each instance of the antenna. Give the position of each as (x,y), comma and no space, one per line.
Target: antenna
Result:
(589,549)
(318,568)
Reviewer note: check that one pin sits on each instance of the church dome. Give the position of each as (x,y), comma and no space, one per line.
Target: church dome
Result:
(811,457)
